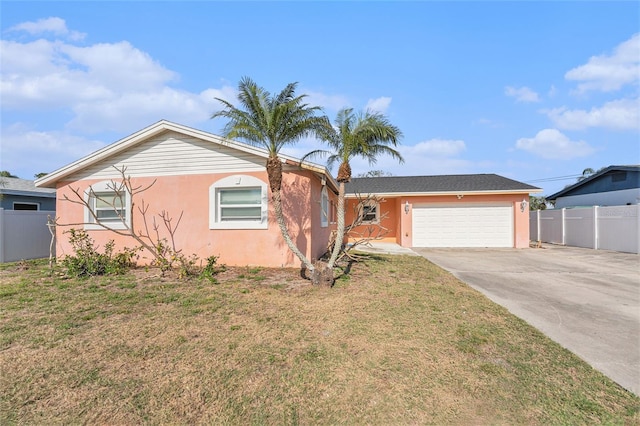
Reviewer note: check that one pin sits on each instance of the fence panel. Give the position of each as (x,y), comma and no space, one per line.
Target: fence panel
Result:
(619,228)
(533,225)
(579,228)
(551,226)
(24,235)
(607,228)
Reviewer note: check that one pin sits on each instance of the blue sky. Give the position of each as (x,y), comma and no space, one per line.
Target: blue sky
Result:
(528,90)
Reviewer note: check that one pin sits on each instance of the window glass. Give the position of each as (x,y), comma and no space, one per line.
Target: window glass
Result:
(240,204)
(324,208)
(108,206)
(25,206)
(370,213)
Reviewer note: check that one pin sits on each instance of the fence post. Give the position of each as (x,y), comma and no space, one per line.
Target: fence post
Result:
(538,225)
(1,235)
(563,225)
(596,238)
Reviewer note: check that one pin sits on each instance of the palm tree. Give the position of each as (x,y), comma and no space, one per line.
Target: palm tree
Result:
(367,135)
(586,173)
(271,122)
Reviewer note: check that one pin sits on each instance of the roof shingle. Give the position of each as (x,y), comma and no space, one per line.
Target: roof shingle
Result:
(439,183)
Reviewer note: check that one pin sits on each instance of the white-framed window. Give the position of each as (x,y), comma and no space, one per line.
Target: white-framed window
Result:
(110,206)
(324,207)
(370,212)
(238,202)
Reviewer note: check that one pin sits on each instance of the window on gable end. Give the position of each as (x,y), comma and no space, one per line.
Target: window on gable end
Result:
(109,206)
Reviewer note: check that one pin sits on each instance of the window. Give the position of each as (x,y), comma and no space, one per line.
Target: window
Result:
(26,206)
(111,206)
(324,208)
(108,206)
(369,213)
(238,202)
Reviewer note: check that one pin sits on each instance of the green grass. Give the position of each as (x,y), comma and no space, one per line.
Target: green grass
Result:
(398,342)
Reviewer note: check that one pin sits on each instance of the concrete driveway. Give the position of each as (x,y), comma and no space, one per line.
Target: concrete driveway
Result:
(586,300)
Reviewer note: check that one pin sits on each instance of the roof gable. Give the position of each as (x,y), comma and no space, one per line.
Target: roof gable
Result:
(440,184)
(167,148)
(612,178)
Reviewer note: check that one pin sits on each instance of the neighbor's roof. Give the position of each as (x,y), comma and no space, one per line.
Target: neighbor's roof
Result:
(595,176)
(440,185)
(163,125)
(15,186)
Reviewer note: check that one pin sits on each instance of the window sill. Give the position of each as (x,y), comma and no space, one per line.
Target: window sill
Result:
(239,225)
(104,227)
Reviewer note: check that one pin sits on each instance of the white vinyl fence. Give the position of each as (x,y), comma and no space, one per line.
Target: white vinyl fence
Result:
(607,228)
(24,234)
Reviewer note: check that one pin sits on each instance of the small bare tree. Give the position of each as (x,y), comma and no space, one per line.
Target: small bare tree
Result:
(360,231)
(163,249)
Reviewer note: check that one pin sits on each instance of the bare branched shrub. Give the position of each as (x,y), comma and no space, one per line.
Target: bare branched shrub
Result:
(150,237)
(360,231)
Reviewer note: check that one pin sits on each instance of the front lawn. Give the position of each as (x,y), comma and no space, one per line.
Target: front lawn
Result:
(399,341)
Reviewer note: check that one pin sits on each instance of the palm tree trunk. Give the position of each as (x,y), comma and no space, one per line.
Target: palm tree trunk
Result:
(277,206)
(337,246)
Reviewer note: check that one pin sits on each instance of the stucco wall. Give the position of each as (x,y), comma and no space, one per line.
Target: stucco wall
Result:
(388,226)
(190,195)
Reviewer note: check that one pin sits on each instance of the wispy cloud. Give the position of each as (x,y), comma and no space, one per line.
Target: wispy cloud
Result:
(522,94)
(53,25)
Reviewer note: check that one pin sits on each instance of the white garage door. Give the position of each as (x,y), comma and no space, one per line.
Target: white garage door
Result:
(463,225)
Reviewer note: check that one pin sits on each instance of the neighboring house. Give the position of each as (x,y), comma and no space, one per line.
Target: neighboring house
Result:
(219,186)
(22,194)
(478,210)
(612,186)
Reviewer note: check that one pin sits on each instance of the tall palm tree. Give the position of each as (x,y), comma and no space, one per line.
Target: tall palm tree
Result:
(272,122)
(365,134)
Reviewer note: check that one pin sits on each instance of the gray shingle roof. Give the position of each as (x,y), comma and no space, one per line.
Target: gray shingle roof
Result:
(440,183)
(17,186)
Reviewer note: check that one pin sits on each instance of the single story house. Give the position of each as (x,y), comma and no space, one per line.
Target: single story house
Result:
(611,186)
(219,186)
(22,194)
(474,210)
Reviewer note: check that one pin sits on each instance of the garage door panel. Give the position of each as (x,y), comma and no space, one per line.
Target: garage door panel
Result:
(463,226)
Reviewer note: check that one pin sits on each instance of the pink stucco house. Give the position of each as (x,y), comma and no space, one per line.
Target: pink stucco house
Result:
(221,189)
(220,186)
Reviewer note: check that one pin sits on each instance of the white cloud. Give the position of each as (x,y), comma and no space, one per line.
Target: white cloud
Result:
(522,94)
(607,73)
(129,111)
(54,25)
(24,148)
(380,104)
(105,86)
(328,102)
(435,148)
(44,74)
(622,114)
(554,145)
